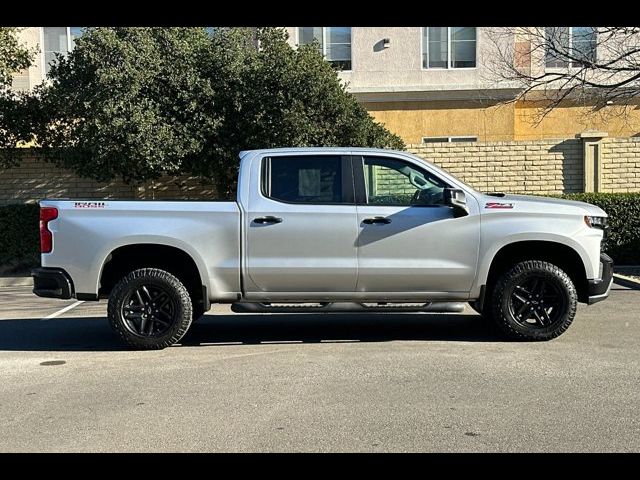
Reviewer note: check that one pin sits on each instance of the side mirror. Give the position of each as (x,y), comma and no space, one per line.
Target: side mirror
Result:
(455,198)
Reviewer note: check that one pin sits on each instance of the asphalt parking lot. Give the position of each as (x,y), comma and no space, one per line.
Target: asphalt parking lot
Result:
(376,382)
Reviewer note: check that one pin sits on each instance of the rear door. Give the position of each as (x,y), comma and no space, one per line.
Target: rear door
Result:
(301,227)
(408,240)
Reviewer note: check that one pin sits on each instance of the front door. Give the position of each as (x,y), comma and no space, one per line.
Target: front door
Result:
(302,227)
(408,240)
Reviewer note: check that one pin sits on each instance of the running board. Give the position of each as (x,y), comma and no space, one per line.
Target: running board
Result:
(345,307)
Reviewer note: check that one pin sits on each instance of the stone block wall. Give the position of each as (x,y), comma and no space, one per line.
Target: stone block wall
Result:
(550,166)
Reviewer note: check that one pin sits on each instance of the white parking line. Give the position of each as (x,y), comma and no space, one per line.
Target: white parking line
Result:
(63,310)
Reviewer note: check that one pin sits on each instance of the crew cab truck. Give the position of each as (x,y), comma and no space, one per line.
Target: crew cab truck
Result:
(327,230)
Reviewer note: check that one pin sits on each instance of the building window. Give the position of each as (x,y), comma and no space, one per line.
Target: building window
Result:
(334,42)
(58,40)
(448,47)
(575,42)
(448,139)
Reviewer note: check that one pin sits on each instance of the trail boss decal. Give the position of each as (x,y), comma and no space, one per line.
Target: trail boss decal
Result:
(498,205)
(89,204)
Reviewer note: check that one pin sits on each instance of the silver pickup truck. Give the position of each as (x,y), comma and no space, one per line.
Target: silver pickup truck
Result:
(327,230)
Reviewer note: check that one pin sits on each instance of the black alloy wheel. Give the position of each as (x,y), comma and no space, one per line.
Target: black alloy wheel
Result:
(536,302)
(149,311)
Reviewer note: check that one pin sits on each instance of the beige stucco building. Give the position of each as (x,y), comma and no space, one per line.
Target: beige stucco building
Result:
(392,74)
(427,84)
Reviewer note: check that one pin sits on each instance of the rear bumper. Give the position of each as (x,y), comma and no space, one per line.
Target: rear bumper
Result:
(52,283)
(599,288)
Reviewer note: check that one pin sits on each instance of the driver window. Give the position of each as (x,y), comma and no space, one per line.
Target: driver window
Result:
(393,182)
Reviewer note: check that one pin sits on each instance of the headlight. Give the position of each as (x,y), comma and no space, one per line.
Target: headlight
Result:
(596,222)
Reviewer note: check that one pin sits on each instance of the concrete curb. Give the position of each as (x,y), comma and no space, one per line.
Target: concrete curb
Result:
(16,281)
(626,281)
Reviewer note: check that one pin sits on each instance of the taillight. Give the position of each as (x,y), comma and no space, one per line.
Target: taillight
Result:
(46,237)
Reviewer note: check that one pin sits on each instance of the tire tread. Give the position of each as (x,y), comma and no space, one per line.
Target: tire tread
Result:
(508,326)
(157,343)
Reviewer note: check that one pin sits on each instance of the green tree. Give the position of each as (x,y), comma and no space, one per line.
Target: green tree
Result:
(127,102)
(278,96)
(14,124)
(138,103)
(13,56)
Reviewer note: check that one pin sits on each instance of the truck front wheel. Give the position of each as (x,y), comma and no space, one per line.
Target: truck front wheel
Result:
(150,309)
(534,300)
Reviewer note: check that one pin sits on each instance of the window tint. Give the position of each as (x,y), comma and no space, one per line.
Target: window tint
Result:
(394,182)
(305,179)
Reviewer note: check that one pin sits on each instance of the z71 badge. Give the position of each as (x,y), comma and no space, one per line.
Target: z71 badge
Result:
(498,205)
(89,204)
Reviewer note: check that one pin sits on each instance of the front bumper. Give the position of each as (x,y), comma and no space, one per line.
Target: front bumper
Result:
(52,283)
(599,287)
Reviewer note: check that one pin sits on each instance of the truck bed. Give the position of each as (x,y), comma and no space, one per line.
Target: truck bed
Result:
(209,231)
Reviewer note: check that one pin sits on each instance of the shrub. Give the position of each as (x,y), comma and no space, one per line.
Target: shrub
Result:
(20,238)
(622,238)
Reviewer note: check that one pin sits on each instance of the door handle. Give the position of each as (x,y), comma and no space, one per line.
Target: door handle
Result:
(269,219)
(374,220)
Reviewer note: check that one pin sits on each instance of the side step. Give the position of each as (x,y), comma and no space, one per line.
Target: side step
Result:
(344,307)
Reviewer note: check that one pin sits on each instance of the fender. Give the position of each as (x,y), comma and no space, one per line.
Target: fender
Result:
(490,252)
(97,267)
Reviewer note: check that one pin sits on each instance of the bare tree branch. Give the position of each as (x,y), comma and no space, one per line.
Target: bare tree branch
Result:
(552,65)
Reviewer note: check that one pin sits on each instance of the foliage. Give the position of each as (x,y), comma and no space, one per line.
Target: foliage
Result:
(13,56)
(138,103)
(622,238)
(15,120)
(128,102)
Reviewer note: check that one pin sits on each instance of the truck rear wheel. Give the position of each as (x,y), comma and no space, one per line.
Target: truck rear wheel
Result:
(150,309)
(534,300)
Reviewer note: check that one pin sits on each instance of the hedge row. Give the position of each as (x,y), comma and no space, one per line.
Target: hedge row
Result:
(19,238)
(622,238)
(20,245)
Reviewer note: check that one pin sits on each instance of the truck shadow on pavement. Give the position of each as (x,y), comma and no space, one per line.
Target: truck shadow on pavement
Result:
(94,333)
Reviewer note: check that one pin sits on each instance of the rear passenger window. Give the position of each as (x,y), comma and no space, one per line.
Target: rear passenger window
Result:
(304,179)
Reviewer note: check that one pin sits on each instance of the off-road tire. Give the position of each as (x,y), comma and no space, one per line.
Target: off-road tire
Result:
(154,277)
(503,315)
